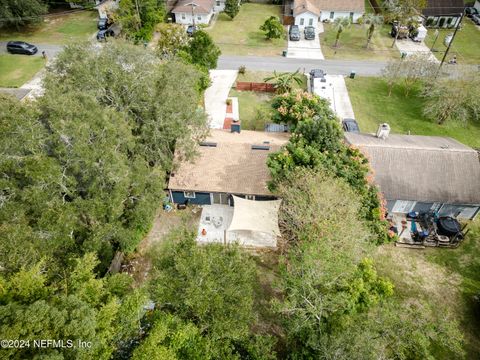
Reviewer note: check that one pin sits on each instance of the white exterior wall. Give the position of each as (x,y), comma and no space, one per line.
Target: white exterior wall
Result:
(186,18)
(307,17)
(219,6)
(336,14)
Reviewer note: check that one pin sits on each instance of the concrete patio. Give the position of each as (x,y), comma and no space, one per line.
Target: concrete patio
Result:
(214,222)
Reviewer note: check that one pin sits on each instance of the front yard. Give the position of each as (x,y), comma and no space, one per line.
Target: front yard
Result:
(17,69)
(465,46)
(352,44)
(372,107)
(242,36)
(57,29)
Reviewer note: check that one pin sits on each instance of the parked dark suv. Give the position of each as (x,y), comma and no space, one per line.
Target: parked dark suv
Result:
(21,47)
(103,23)
(470,11)
(294,33)
(309,33)
(350,125)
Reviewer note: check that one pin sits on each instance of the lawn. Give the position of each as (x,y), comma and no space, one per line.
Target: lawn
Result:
(242,36)
(441,278)
(372,106)
(254,107)
(17,69)
(465,46)
(353,41)
(57,29)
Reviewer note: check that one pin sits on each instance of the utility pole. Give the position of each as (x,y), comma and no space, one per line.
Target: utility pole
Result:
(138,15)
(451,40)
(193,15)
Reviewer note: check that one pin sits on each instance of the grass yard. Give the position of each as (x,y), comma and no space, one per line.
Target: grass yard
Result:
(372,106)
(442,278)
(352,44)
(57,29)
(18,69)
(465,46)
(242,36)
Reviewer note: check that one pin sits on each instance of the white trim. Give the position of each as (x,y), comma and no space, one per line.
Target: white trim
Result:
(189,196)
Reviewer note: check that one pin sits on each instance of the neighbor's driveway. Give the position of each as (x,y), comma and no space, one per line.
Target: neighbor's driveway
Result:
(335,91)
(216,96)
(410,47)
(306,49)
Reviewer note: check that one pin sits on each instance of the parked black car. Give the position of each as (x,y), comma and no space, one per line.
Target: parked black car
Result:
(317,73)
(294,33)
(190,30)
(402,31)
(476,19)
(470,11)
(21,47)
(309,32)
(350,125)
(103,34)
(103,23)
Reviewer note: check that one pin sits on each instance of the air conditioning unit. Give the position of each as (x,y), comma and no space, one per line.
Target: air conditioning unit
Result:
(383,131)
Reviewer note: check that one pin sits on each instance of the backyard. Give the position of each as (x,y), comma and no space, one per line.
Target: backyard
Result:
(17,69)
(372,106)
(352,44)
(254,106)
(56,29)
(465,46)
(242,36)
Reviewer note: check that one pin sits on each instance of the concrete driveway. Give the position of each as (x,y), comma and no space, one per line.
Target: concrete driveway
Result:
(306,49)
(216,96)
(335,91)
(410,47)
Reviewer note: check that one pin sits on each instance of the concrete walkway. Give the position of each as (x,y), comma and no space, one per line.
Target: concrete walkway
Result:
(410,47)
(306,49)
(216,96)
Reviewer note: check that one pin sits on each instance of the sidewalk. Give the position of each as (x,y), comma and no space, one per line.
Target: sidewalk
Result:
(216,96)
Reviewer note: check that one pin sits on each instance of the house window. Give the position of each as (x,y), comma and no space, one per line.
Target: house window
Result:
(332,15)
(302,21)
(351,16)
(250,197)
(199,18)
(310,22)
(403,206)
(189,194)
(183,16)
(218,3)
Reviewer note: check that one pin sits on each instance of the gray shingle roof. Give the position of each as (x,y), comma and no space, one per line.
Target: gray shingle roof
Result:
(422,168)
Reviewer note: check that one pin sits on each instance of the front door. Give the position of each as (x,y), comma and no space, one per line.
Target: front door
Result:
(220,198)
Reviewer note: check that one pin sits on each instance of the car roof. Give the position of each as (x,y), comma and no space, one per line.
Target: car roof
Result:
(18,43)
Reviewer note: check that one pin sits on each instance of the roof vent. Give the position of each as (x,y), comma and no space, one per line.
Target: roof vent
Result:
(383,131)
(260,147)
(208,144)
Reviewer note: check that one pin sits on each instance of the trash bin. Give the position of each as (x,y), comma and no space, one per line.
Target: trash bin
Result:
(284,53)
(352,74)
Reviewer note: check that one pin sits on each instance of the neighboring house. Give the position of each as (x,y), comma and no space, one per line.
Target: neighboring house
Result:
(443,13)
(310,12)
(227,164)
(188,12)
(477,5)
(422,173)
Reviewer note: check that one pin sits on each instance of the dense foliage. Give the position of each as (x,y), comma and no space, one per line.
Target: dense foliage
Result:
(316,143)
(232,7)
(202,51)
(273,28)
(14,13)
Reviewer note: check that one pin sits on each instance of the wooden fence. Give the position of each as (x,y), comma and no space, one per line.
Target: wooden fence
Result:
(253,86)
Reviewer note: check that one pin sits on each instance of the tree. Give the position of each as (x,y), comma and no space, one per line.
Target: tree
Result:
(371,21)
(202,50)
(453,99)
(339,25)
(172,38)
(21,13)
(232,7)
(403,12)
(273,28)
(283,82)
(139,17)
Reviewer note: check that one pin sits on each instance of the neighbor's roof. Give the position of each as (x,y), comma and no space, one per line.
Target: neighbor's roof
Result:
(422,168)
(199,6)
(317,6)
(443,7)
(231,166)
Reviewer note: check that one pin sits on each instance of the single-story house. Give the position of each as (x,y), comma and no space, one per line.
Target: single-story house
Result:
(422,173)
(227,164)
(310,12)
(443,13)
(199,11)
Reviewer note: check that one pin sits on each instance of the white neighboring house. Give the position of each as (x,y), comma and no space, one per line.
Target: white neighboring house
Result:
(199,11)
(477,5)
(310,12)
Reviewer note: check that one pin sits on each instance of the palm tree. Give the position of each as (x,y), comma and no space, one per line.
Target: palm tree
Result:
(340,24)
(283,82)
(371,21)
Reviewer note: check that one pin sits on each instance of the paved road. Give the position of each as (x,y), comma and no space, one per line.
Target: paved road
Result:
(334,67)
(51,50)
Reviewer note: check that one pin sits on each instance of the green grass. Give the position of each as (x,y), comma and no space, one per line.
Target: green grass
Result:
(372,106)
(242,36)
(465,46)
(353,41)
(17,69)
(56,29)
